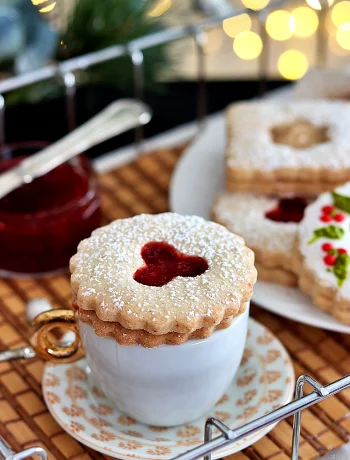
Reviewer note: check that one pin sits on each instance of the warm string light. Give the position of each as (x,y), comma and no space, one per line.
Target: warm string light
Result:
(292,64)
(48,8)
(45,8)
(280,25)
(338,26)
(305,21)
(335,47)
(237,25)
(343,37)
(316,4)
(341,13)
(248,45)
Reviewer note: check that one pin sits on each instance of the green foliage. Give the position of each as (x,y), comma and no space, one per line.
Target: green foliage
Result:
(332,231)
(94,25)
(341,268)
(341,202)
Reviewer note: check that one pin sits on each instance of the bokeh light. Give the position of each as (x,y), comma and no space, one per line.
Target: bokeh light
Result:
(48,8)
(280,25)
(161,7)
(341,13)
(316,4)
(335,48)
(343,36)
(248,45)
(306,21)
(237,25)
(255,5)
(292,64)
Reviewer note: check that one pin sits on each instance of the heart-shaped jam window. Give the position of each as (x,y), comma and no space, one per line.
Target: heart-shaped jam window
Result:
(164,263)
(287,210)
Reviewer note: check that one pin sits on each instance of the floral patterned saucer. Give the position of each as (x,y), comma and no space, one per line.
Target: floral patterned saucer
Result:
(264,381)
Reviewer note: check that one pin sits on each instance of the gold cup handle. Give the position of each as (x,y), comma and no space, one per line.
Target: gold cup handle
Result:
(43,345)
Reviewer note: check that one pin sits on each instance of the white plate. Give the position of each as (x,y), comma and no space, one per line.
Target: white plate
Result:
(198,177)
(265,380)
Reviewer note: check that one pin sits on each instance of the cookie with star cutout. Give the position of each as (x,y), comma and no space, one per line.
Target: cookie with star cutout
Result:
(293,147)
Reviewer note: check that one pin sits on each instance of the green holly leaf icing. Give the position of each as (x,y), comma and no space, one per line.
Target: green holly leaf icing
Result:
(341,202)
(341,268)
(332,232)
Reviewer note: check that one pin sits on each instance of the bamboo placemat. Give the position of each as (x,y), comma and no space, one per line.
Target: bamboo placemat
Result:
(24,419)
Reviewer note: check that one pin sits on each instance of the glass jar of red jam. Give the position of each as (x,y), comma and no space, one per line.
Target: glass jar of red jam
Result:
(42,223)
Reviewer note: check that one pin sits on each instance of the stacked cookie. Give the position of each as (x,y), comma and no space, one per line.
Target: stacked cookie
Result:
(163,279)
(280,156)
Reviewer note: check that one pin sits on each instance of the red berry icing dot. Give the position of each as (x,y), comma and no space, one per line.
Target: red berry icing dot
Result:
(287,210)
(326,247)
(326,218)
(327,209)
(329,259)
(342,251)
(164,263)
(339,217)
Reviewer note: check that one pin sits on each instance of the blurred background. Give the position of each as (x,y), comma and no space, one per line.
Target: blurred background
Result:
(273,42)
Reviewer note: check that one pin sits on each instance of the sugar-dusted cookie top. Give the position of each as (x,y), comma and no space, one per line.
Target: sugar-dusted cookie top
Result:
(267,224)
(324,239)
(163,273)
(297,135)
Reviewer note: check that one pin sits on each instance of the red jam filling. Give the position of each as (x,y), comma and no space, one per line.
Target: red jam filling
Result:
(41,223)
(164,263)
(288,210)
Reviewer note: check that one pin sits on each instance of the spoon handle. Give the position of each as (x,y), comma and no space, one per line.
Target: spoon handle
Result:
(17,353)
(118,117)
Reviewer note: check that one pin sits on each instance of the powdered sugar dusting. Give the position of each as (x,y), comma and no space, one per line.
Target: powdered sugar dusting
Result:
(105,264)
(251,146)
(244,214)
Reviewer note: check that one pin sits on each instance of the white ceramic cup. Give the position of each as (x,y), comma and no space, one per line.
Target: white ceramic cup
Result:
(165,386)
(171,384)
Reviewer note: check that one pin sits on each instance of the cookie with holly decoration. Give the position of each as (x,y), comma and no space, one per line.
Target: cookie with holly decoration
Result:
(268,225)
(324,252)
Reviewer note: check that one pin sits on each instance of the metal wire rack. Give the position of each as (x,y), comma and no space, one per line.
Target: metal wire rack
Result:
(7,454)
(66,72)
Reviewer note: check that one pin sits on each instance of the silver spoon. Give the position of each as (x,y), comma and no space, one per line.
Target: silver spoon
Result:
(116,118)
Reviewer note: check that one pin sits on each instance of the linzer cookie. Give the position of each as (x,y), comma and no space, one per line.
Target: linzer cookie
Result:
(269,227)
(324,248)
(300,147)
(161,279)
(324,84)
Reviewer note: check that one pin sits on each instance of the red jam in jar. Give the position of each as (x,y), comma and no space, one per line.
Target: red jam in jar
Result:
(42,223)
